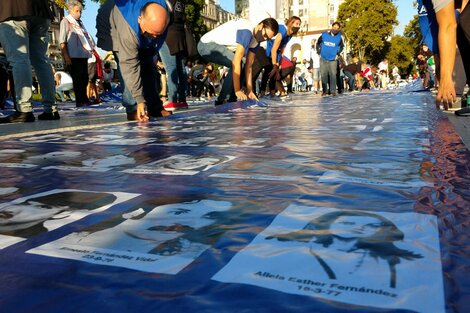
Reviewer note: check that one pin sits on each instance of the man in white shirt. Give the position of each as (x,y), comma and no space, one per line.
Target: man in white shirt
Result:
(228,44)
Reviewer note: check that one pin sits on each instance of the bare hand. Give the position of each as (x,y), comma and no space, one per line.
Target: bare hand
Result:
(241,95)
(446,94)
(252,96)
(142,112)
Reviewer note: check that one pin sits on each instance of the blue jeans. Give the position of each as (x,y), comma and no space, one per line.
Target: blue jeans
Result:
(351,80)
(150,84)
(177,79)
(221,55)
(25,44)
(127,100)
(328,75)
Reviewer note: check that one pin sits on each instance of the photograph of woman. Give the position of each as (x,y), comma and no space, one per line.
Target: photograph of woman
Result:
(355,236)
(359,257)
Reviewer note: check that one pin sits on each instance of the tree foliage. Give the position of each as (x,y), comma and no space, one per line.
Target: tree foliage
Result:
(402,54)
(413,32)
(367,24)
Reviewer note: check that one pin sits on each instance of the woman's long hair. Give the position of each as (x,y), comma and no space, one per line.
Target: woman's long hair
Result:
(379,245)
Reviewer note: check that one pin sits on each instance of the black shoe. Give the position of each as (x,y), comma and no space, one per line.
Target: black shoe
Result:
(18,117)
(49,116)
(462,112)
(219,102)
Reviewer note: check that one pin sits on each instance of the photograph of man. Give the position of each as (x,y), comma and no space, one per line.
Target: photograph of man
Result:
(30,216)
(168,237)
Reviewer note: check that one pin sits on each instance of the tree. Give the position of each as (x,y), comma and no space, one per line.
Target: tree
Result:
(402,54)
(413,32)
(194,18)
(367,24)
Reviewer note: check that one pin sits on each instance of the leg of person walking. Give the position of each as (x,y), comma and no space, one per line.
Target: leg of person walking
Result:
(14,36)
(38,44)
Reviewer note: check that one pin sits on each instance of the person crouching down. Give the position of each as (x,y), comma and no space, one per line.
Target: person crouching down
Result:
(135,31)
(227,45)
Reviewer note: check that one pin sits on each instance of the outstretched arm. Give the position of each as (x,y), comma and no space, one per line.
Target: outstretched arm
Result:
(249,74)
(447,43)
(236,70)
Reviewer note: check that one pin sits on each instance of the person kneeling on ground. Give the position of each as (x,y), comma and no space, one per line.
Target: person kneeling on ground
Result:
(135,31)
(227,45)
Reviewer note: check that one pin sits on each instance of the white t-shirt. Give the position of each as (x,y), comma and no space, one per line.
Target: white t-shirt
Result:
(315,57)
(64,78)
(233,33)
(383,66)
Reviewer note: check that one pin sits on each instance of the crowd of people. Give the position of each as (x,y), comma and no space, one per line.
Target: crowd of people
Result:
(238,60)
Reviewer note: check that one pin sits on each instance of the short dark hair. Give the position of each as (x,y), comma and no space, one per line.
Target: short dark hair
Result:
(336,23)
(272,24)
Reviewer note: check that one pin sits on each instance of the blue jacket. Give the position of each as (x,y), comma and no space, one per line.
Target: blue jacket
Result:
(130,10)
(330,45)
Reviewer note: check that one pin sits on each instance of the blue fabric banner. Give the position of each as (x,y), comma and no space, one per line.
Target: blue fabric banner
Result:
(334,204)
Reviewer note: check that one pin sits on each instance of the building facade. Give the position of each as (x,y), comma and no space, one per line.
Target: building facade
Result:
(213,15)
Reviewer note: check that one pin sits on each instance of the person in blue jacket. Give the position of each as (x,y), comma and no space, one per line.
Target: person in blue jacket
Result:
(330,45)
(135,30)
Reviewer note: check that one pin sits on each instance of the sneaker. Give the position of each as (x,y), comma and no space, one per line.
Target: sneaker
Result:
(462,112)
(219,102)
(18,117)
(49,116)
(172,106)
(324,94)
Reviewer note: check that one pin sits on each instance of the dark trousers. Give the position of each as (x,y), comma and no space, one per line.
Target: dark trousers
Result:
(79,72)
(262,61)
(463,40)
(6,77)
(151,84)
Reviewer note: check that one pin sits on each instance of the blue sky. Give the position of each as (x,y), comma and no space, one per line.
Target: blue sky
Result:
(405,13)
